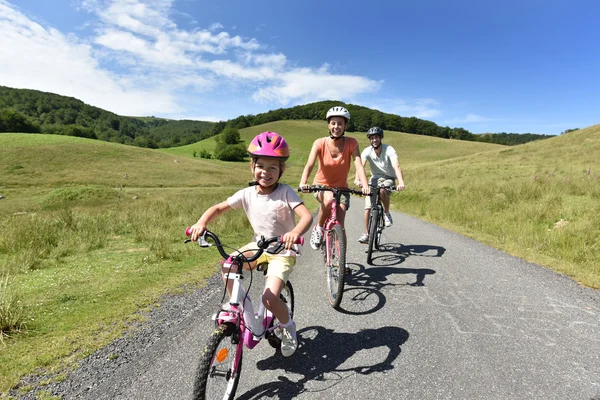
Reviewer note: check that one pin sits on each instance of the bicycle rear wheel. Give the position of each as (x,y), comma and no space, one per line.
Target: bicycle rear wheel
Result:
(287,295)
(220,366)
(335,261)
(373,228)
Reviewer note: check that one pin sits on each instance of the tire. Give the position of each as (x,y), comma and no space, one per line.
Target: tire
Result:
(336,265)
(380,226)
(216,379)
(373,228)
(287,295)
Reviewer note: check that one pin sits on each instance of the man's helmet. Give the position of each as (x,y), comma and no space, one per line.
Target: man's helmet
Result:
(269,144)
(375,131)
(338,111)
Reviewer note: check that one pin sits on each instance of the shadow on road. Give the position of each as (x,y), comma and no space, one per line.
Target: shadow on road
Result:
(395,253)
(363,291)
(319,358)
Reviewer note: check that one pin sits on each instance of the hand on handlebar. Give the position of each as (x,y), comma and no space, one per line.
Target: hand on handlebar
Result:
(195,231)
(289,239)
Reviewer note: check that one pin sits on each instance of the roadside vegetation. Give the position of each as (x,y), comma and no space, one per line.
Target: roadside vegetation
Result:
(92,232)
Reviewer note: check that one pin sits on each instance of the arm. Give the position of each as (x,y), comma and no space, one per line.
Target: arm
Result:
(304,223)
(310,163)
(360,171)
(209,215)
(357,181)
(398,170)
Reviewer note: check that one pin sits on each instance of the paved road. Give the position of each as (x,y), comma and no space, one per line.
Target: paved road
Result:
(439,316)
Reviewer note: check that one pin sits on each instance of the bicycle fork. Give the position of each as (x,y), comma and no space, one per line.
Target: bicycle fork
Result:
(251,322)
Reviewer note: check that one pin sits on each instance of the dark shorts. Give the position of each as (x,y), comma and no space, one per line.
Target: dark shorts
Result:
(344,199)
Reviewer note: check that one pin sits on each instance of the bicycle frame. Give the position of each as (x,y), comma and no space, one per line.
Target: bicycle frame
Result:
(253,326)
(237,325)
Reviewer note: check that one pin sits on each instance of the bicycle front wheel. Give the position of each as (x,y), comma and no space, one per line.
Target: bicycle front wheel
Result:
(373,228)
(335,261)
(380,225)
(220,366)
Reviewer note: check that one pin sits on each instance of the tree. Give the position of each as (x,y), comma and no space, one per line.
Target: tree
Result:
(228,137)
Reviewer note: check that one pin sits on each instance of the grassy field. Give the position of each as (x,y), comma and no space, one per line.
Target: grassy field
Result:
(92,231)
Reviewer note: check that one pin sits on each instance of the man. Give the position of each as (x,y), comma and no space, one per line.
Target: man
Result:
(385,169)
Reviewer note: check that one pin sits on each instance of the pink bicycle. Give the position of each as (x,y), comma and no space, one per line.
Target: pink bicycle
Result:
(335,245)
(237,325)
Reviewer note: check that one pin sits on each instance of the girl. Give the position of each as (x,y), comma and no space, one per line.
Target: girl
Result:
(271,208)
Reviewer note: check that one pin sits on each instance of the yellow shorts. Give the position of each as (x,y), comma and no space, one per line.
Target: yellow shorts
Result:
(280,266)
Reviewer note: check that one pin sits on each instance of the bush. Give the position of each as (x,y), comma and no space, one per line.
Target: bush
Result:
(236,152)
(205,154)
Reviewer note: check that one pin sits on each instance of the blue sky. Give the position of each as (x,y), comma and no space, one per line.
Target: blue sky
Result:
(502,66)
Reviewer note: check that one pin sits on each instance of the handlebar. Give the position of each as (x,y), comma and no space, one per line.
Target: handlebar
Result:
(262,243)
(386,187)
(317,188)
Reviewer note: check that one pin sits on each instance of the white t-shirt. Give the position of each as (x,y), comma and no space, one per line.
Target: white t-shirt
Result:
(269,214)
(381,167)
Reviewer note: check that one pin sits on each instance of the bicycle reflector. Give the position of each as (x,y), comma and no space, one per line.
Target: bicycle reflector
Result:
(222,355)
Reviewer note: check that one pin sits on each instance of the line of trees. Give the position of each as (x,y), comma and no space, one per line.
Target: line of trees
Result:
(363,118)
(24,110)
(33,111)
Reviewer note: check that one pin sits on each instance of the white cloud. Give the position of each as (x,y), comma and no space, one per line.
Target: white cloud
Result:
(304,84)
(469,118)
(215,26)
(421,108)
(137,61)
(45,59)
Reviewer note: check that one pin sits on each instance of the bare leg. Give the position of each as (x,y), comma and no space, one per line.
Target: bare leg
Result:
(273,302)
(385,199)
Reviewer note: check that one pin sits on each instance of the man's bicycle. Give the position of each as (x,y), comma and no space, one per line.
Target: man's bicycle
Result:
(376,222)
(335,244)
(237,325)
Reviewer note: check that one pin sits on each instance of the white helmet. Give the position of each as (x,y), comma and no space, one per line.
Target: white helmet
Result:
(338,111)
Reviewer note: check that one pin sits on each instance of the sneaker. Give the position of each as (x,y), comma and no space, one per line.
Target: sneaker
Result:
(364,238)
(387,218)
(316,237)
(289,342)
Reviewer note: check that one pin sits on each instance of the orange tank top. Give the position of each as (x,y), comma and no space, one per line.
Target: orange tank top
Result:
(333,172)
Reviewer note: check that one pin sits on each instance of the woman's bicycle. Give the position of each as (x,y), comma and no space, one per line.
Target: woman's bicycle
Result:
(237,325)
(376,222)
(335,244)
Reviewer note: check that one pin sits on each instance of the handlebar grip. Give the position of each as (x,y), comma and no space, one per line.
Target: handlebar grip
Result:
(188,231)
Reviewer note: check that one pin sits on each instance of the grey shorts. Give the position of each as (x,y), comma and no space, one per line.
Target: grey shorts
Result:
(378,181)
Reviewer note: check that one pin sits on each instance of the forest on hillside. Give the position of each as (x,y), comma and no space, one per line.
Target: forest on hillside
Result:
(30,111)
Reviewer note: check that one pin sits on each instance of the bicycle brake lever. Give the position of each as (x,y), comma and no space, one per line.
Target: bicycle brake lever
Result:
(203,242)
(276,249)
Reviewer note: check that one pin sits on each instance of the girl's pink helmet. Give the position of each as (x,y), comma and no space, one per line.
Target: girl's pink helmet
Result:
(269,144)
